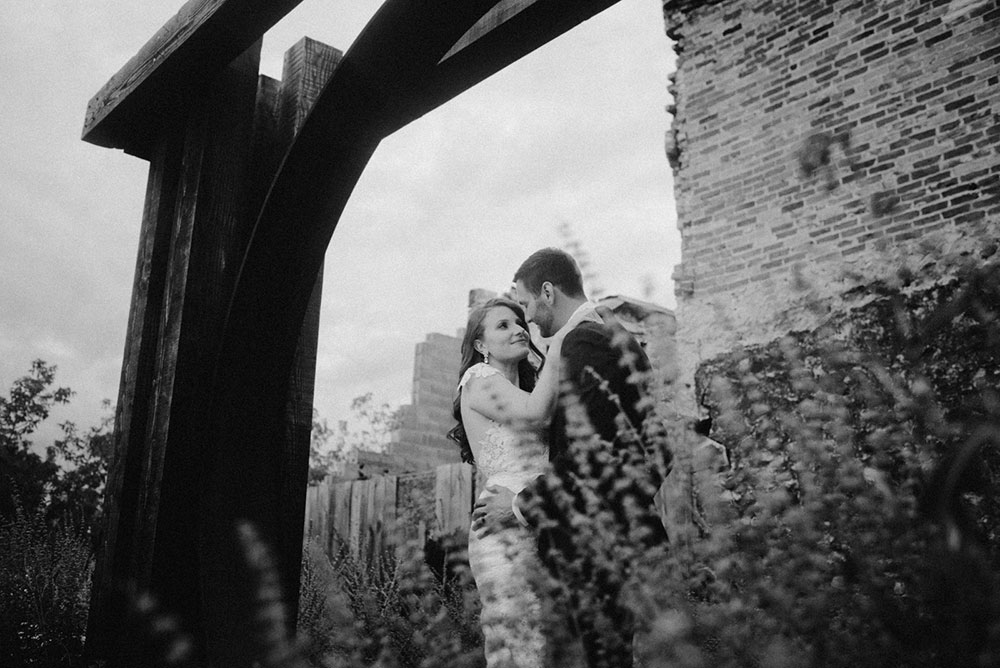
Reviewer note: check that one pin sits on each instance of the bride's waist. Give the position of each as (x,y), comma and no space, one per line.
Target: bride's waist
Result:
(512,480)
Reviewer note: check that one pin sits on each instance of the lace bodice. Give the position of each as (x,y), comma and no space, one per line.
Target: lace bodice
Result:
(505,456)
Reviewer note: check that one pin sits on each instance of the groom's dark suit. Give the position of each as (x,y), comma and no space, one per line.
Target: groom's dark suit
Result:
(597,501)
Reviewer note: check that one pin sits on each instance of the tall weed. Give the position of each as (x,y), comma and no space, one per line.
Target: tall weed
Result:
(44,591)
(387,607)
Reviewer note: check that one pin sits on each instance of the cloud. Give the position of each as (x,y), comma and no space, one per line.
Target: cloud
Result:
(454,201)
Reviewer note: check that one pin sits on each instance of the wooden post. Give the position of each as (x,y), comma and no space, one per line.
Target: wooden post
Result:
(386,509)
(358,516)
(317,515)
(308,66)
(123,564)
(203,195)
(195,221)
(453,497)
(340,523)
(272,436)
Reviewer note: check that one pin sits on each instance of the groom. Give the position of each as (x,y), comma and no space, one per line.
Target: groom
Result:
(595,507)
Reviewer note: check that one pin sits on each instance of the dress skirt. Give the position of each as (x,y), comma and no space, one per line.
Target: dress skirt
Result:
(502,564)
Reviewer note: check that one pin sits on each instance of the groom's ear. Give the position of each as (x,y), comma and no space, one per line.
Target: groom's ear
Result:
(548,292)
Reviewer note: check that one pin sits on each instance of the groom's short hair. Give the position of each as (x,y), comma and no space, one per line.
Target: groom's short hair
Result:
(555,266)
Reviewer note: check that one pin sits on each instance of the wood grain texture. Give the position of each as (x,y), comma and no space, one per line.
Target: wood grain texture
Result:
(308,66)
(174,67)
(117,557)
(194,224)
(268,450)
(340,521)
(453,497)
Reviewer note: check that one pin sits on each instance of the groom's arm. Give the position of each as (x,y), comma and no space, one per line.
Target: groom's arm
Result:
(494,511)
(501,509)
(580,348)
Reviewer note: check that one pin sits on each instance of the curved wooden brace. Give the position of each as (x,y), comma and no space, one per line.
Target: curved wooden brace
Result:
(396,71)
(374,91)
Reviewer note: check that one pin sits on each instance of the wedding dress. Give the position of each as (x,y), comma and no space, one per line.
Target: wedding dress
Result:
(502,562)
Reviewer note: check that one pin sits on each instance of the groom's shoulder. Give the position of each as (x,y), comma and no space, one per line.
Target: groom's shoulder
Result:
(592,338)
(587,339)
(589,331)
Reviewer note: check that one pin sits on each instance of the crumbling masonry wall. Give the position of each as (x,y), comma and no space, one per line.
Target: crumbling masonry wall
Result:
(821,149)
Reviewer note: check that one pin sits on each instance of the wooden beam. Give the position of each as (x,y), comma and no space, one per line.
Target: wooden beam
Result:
(512,30)
(502,11)
(392,73)
(174,67)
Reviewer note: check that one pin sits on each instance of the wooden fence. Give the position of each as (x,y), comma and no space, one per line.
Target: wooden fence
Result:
(388,509)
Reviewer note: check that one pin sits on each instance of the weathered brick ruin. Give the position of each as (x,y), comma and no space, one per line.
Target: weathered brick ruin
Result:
(837,176)
(820,148)
(420,441)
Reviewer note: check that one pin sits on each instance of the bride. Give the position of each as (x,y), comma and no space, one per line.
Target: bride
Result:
(503,408)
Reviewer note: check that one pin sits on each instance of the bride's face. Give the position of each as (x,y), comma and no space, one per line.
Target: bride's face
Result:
(504,335)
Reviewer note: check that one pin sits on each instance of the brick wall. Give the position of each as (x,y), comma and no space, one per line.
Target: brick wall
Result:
(822,146)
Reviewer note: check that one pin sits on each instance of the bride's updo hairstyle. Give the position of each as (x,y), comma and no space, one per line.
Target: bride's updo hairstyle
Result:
(526,372)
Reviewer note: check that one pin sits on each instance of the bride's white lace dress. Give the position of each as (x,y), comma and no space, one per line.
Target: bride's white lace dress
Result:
(502,562)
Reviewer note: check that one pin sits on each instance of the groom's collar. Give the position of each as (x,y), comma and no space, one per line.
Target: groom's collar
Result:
(585,312)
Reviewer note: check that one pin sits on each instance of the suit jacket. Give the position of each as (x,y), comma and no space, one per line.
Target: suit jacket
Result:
(591,358)
(599,393)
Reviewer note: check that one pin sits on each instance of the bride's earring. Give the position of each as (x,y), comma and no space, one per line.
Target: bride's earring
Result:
(486,357)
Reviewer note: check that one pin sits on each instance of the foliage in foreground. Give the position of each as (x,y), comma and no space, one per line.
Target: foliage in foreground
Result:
(857,526)
(44,591)
(389,607)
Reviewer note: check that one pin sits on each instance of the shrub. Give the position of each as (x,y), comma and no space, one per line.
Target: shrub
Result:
(857,526)
(387,607)
(44,591)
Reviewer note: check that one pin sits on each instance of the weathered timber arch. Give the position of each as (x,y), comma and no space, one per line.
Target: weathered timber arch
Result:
(214,412)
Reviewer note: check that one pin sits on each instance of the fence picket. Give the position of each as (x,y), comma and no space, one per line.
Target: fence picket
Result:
(453,492)
(359,510)
(340,522)
(358,520)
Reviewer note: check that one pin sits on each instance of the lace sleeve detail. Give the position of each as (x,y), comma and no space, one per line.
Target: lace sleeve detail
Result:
(479,370)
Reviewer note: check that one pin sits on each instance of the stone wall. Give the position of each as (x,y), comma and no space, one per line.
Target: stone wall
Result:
(821,147)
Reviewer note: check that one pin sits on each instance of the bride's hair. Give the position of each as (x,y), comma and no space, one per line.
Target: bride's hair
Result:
(526,371)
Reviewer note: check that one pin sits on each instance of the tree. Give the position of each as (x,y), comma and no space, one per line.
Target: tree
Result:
(25,477)
(49,511)
(369,428)
(67,483)
(77,491)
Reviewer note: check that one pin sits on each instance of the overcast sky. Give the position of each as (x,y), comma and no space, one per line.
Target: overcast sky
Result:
(573,133)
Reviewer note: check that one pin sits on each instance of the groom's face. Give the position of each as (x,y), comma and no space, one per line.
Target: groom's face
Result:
(536,309)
